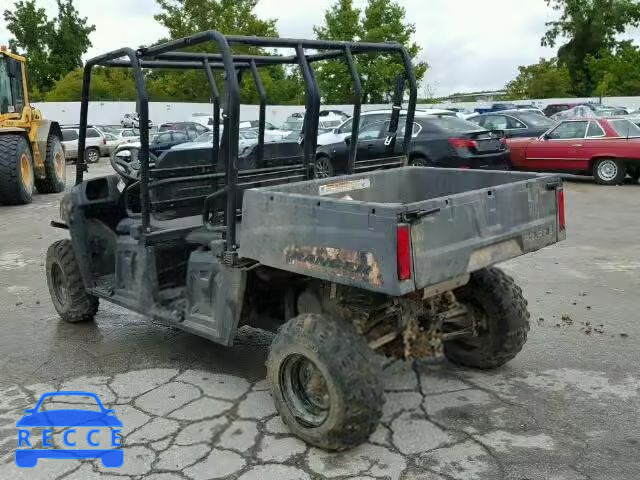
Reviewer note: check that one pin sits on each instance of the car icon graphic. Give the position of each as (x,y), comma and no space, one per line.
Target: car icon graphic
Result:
(69,418)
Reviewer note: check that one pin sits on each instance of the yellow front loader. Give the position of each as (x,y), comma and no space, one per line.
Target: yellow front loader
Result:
(31,152)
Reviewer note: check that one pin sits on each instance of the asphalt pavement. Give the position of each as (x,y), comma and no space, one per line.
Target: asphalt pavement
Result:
(565,409)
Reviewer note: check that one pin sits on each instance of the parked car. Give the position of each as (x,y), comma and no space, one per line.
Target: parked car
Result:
(129,134)
(497,107)
(339,133)
(438,141)
(95,147)
(132,120)
(191,129)
(204,119)
(514,123)
(158,143)
(246,139)
(327,122)
(607,148)
(271,132)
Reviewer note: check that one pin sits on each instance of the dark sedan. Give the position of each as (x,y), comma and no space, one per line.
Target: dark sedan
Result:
(438,141)
(515,123)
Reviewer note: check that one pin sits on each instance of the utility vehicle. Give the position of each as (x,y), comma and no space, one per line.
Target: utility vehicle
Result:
(389,258)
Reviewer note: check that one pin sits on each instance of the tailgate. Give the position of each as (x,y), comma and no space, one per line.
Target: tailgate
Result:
(469,231)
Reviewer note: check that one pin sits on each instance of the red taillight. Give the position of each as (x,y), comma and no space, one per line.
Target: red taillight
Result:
(462,143)
(404,252)
(561,218)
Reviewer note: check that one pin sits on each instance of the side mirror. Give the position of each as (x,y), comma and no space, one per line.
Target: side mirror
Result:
(545,136)
(347,140)
(125,154)
(30,410)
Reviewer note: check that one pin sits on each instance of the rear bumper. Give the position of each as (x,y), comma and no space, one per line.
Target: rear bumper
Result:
(493,161)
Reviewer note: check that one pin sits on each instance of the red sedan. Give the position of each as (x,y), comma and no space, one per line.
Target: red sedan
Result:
(607,148)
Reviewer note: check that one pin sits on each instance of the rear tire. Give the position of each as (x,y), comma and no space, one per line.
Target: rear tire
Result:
(420,161)
(608,171)
(16,170)
(91,155)
(54,167)
(69,297)
(502,310)
(325,382)
(323,167)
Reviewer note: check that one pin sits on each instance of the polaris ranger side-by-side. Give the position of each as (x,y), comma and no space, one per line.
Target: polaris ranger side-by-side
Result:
(389,258)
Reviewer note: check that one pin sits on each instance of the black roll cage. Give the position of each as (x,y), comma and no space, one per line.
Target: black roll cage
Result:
(167,56)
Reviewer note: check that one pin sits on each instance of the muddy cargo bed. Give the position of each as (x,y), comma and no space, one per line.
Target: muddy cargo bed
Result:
(366,230)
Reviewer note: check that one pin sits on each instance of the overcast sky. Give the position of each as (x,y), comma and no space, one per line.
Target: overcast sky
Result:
(470,45)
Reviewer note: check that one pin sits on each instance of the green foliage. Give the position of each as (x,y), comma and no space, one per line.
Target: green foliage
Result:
(107,84)
(52,47)
(233,17)
(382,20)
(590,27)
(545,79)
(617,73)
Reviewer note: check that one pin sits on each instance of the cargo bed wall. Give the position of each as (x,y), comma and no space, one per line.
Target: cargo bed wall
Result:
(344,229)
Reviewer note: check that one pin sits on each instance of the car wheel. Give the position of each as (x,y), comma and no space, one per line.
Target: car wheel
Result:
(420,161)
(323,168)
(324,382)
(608,171)
(69,297)
(92,155)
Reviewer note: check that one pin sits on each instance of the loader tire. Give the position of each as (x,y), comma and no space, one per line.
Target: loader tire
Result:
(504,321)
(69,297)
(325,382)
(16,170)
(54,168)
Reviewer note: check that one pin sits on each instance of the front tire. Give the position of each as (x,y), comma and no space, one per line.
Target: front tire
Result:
(69,297)
(608,171)
(501,309)
(16,170)
(55,169)
(324,382)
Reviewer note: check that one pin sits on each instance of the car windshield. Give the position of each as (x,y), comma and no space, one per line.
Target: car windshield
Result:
(329,123)
(248,134)
(292,125)
(452,124)
(625,128)
(205,137)
(535,120)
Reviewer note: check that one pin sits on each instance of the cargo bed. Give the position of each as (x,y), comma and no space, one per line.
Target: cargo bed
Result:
(363,230)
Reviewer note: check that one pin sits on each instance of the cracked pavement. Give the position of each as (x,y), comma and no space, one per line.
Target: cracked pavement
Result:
(565,409)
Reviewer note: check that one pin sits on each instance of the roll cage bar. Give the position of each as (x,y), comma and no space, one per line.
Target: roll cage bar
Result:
(168,56)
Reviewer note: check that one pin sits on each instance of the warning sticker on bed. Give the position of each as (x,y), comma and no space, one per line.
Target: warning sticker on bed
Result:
(346,186)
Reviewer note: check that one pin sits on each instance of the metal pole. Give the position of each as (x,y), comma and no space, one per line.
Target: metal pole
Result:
(215,97)
(81,165)
(413,98)
(312,111)
(263,111)
(357,104)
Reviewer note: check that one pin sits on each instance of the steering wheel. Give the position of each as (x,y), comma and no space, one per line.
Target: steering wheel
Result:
(126,162)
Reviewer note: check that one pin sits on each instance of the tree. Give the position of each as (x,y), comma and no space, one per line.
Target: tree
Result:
(383,20)
(341,22)
(617,73)
(107,84)
(233,17)
(52,47)
(590,28)
(545,79)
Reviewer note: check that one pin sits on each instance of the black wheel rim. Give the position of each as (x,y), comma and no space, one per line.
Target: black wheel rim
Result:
(322,168)
(58,284)
(305,390)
